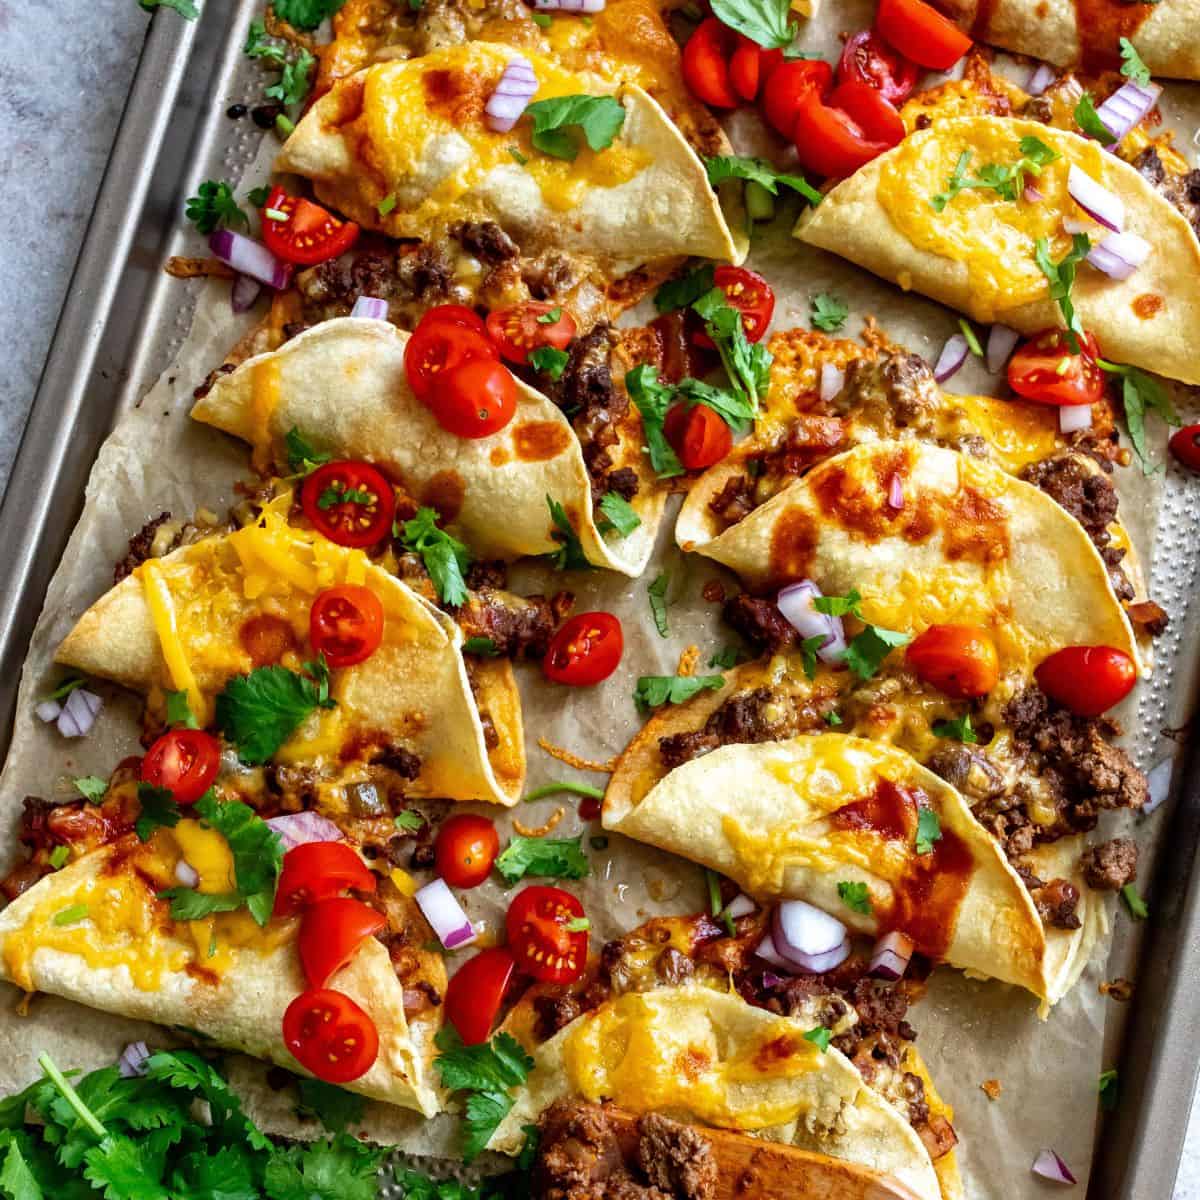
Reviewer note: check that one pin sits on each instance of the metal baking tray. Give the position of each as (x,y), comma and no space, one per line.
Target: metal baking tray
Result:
(121,324)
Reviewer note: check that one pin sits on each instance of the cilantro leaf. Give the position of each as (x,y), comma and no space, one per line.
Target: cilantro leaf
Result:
(724,659)
(653,691)
(808,653)
(652,399)
(1137,907)
(1006,179)
(832,718)
(829,312)
(1088,119)
(119,1167)
(444,556)
(767,22)
(840,606)
(258,712)
(618,514)
(543,858)
(569,556)
(867,650)
(214,205)
(755,170)
(1109,1089)
(549,360)
(599,119)
(91,787)
(338,1168)
(179,711)
(1061,278)
(747,364)
(185,8)
(486,1072)
(480,645)
(855,896)
(306,14)
(960,729)
(302,456)
(1132,65)
(333,1106)
(1141,393)
(820,1037)
(17,1180)
(657,593)
(258,196)
(408,820)
(685,291)
(733,408)
(158,808)
(929,830)
(259,45)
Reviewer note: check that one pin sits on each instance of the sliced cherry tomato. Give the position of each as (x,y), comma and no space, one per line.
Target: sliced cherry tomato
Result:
(959,660)
(835,141)
(350,502)
(1044,369)
(330,934)
(706,63)
(539,938)
(475,399)
(329,1035)
(310,235)
(585,650)
(867,58)
(750,66)
(266,638)
(1185,445)
(184,761)
(476,992)
(788,85)
(525,327)
(921,33)
(316,871)
(698,435)
(1088,680)
(446,337)
(465,848)
(345,624)
(751,295)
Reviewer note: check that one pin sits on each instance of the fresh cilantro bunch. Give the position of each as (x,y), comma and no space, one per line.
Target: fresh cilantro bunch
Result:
(258,712)
(485,1074)
(444,556)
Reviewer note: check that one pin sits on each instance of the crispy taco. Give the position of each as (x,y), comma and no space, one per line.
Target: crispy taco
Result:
(343,383)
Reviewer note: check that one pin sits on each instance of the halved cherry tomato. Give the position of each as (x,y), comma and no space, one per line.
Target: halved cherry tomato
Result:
(751,295)
(1185,445)
(345,624)
(330,934)
(266,638)
(525,327)
(585,650)
(310,235)
(329,1035)
(185,761)
(698,435)
(1045,370)
(316,871)
(867,58)
(921,33)
(539,938)
(750,66)
(959,660)
(706,63)
(445,338)
(475,993)
(787,85)
(476,399)
(464,850)
(844,131)
(350,502)
(1088,680)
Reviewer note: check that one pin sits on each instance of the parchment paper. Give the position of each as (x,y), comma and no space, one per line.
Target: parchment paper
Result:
(970,1031)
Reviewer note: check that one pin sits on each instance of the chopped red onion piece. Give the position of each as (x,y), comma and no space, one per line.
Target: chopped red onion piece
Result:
(1118,255)
(767,952)
(801,929)
(295,829)
(248,257)
(818,964)
(1074,416)
(1031,195)
(1096,200)
(186,873)
(1127,107)
(832,379)
(954,354)
(574,6)
(48,710)
(1159,779)
(891,955)
(516,88)
(1002,341)
(795,603)
(1050,1166)
(245,291)
(371,307)
(1041,79)
(443,911)
(133,1060)
(79,713)
(896,492)
(740,906)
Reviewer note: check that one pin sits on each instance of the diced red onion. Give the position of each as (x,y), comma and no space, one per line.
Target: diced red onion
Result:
(575,6)
(186,873)
(1096,200)
(443,911)
(1050,1166)
(795,602)
(295,829)
(832,379)
(370,306)
(767,952)
(889,959)
(770,979)
(954,354)
(248,257)
(48,710)
(818,964)
(896,492)
(740,906)
(1002,341)
(1159,779)
(133,1058)
(1041,79)
(245,291)
(79,713)
(1074,416)
(1127,107)
(1118,255)
(516,88)
(803,929)
(1031,195)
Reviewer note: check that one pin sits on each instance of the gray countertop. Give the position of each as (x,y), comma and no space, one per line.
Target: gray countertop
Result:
(60,101)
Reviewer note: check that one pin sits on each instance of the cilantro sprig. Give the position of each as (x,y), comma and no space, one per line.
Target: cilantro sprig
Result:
(760,171)
(444,556)
(258,712)
(485,1075)
(929,830)
(828,312)
(1141,393)
(1006,179)
(569,556)
(855,896)
(653,691)
(1132,65)
(1061,278)
(960,729)
(214,205)
(543,858)
(656,593)
(866,650)
(652,398)
(617,515)
(598,118)
(302,456)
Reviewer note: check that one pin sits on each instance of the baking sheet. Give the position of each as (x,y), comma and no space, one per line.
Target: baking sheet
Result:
(970,1031)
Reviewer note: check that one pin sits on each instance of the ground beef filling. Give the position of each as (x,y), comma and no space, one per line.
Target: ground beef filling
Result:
(142,546)
(1182,191)
(1109,866)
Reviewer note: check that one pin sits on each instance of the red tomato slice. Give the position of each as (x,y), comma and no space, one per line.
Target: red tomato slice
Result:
(330,934)
(751,295)
(465,848)
(345,624)
(476,399)
(1088,680)
(453,314)
(442,341)
(867,58)
(831,141)
(185,761)
(1044,370)
(706,63)
(585,650)
(525,327)
(538,936)
(1185,445)
(350,502)
(698,435)
(960,660)
(316,871)
(787,86)
(330,1036)
(310,234)
(750,66)
(921,33)
(476,992)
